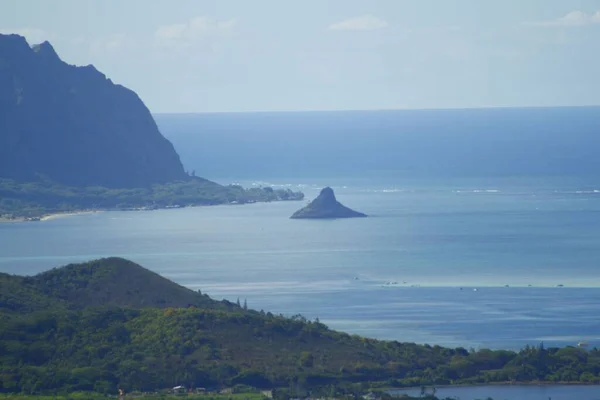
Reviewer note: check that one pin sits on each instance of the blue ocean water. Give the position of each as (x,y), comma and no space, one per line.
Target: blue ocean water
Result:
(396,275)
(503,204)
(400,143)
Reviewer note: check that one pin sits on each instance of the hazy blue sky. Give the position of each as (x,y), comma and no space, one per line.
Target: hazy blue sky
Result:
(250,55)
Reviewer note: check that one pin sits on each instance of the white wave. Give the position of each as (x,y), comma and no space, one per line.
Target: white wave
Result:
(574,339)
(386,190)
(582,191)
(586,191)
(477,191)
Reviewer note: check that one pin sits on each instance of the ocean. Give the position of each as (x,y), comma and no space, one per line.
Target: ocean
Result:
(483,225)
(406,144)
(395,275)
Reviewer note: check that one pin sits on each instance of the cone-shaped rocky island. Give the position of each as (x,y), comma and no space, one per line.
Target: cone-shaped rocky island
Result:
(326,206)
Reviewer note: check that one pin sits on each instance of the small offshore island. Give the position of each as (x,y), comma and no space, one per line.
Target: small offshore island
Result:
(326,206)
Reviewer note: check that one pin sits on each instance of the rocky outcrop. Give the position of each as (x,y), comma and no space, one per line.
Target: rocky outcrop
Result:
(326,206)
(73,125)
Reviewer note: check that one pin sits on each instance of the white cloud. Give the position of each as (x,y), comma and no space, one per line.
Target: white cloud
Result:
(33,35)
(194,28)
(364,23)
(114,44)
(572,19)
(170,31)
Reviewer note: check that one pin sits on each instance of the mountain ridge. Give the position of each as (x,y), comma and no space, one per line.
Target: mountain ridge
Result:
(73,125)
(72,140)
(111,281)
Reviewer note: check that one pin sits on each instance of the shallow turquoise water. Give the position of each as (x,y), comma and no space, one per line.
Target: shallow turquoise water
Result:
(431,238)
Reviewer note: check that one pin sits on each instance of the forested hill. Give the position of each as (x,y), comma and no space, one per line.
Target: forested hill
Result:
(111,324)
(72,125)
(104,282)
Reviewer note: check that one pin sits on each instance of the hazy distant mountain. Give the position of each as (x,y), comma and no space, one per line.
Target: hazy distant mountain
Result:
(73,125)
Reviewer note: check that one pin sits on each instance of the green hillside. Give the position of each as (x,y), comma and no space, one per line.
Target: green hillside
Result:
(110,324)
(34,199)
(106,282)
(118,282)
(17,297)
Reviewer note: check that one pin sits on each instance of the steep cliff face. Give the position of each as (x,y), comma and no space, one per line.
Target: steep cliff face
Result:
(73,125)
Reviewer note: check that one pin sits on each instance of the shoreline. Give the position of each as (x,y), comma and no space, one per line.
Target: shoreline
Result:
(472,385)
(60,214)
(47,217)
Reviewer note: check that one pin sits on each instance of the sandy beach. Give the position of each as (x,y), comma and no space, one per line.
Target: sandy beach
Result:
(49,217)
(46,217)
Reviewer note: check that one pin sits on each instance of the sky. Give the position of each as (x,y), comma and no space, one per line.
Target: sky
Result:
(276,55)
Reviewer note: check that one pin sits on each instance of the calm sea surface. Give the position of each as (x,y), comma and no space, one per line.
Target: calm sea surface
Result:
(430,265)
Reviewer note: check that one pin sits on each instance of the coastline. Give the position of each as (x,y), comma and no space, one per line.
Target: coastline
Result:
(9,220)
(60,214)
(47,217)
(516,383)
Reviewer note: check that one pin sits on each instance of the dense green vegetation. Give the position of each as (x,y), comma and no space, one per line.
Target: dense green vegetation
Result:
(110,281)
(111,324)
(41,197)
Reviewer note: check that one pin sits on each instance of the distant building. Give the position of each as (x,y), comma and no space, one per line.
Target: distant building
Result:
(179,390)
(370,396)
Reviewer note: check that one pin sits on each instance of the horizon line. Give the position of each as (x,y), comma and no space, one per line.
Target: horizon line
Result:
(372,110)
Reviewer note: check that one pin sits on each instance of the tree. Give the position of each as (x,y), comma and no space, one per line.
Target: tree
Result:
(307,359)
